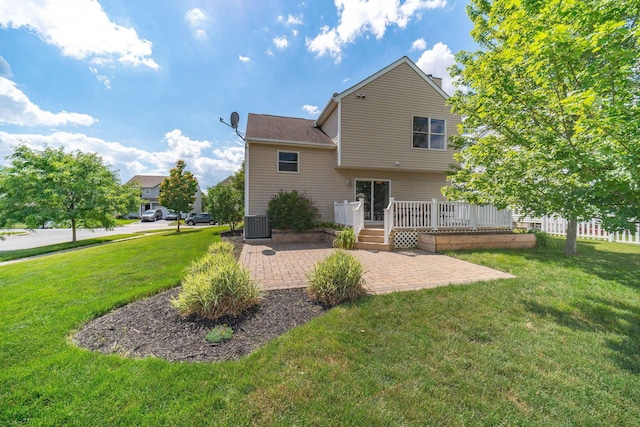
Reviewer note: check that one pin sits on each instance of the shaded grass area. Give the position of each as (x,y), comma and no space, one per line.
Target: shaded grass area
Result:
(559,345)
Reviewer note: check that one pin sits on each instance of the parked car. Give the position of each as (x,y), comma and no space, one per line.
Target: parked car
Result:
(151,215)
(171,216)
(201,218)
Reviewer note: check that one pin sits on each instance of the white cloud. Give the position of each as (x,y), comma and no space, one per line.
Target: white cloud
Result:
(17,109)
(197,20)
(244,58)
(295,33)
(291,19)
(435,61)
(358,17)
(311,109)
(5,68)
(104,79)
(79,28)
(195,17)
(419,44)
(269,52)
(281,42)
(209,166)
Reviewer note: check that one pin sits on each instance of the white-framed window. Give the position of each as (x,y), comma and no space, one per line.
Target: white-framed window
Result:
(147,191)
(429,133)
(288,161)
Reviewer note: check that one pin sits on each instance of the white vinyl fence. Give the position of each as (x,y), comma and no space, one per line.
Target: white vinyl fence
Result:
(589,230)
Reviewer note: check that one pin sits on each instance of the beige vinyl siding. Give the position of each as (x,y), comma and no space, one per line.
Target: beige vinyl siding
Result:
(316,177)
(323,183)
(405,186)
(330,126)
(377,130)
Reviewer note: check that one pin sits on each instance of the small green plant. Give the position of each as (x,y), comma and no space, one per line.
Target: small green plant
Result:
(221,246)
(543,240)
(337,278)
(220,333)
(217,285)
(345,239)
(293,211)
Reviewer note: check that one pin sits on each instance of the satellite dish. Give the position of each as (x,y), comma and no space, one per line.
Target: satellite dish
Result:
(235,118)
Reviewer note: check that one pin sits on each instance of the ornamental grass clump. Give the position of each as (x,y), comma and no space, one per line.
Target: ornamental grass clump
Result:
(217,285)
(221,246)
(336,279)
(345,239)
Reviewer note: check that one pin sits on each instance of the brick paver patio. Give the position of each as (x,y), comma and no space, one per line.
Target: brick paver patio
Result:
(282,266)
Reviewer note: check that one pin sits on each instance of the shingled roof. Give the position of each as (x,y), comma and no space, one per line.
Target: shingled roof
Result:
(147,181)
(267,128)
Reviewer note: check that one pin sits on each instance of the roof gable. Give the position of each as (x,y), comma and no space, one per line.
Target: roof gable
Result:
(331,105)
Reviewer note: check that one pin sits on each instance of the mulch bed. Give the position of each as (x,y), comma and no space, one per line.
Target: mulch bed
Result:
(153,327)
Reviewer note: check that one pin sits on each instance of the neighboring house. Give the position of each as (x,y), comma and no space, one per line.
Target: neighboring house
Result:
(150,192)
(387,136)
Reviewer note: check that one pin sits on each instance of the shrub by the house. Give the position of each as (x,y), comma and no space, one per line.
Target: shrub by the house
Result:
(337,278)
(217,285)
(292,211)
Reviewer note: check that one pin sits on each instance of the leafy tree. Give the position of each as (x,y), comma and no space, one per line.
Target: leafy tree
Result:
(552,121)
(237,181)
(225,204)
(52,185)
(178,192)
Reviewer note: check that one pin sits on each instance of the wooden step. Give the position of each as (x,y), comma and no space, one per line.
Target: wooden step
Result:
(370,239)
(372,232)
(369,246)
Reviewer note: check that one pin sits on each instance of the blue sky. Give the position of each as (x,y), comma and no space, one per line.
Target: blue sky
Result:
(145,83)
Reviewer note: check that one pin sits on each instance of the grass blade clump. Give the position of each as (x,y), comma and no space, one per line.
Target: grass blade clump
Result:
(217,285)
(345,239)
(337,278)
(221,246)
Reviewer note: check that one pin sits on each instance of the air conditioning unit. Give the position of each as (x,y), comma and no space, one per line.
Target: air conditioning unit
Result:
(257,227)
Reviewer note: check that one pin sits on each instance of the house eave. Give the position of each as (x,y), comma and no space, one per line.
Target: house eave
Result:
(289,142)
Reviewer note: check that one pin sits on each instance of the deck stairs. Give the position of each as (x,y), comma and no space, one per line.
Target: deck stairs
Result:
(373,239)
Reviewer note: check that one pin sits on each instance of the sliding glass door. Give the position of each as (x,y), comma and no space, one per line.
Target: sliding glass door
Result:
(376,197)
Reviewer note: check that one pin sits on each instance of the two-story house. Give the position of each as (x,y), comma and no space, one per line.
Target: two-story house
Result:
(386,136)
(150,192)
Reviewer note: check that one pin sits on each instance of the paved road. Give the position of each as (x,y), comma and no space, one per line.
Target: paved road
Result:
(44,237)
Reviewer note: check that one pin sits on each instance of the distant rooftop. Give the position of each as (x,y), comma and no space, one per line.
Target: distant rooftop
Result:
(147,181)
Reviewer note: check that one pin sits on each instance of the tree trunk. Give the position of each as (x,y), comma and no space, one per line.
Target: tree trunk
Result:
(73,229)
(178,223)
(571,246)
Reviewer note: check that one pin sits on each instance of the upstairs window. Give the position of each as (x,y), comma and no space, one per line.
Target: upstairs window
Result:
(288,161)
(147,191)
(429,133)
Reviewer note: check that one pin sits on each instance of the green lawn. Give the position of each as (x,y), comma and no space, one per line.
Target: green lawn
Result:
(559,345)
(41,250)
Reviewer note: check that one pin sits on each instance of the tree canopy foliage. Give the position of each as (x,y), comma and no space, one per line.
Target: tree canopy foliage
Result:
(551,115)
(226,202)
(75,189)
(178,191)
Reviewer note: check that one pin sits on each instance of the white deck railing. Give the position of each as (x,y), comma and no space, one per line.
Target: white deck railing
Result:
(437,215)
(433,215)
(349,213)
